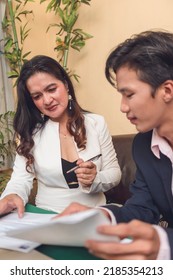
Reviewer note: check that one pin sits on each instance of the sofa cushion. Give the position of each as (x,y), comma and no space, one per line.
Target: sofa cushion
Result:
(123,147)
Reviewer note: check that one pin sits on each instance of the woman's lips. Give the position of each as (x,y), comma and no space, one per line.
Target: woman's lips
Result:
(52,108)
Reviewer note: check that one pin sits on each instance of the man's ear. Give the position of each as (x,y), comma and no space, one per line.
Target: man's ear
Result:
(167,87)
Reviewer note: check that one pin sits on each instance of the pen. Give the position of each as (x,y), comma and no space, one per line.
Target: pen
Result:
(90,159)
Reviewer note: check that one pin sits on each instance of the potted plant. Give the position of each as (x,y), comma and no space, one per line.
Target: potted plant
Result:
(6,137)
(7,147)
(68,36)
(12,42)
(15,57)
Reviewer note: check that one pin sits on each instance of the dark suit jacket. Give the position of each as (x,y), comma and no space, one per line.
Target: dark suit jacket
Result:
(151,190)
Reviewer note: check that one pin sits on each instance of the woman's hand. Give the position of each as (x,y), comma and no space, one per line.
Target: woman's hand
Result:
(10,203)
(86,173)
(145,242)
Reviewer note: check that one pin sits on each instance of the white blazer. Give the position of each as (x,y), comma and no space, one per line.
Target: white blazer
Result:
(53,191)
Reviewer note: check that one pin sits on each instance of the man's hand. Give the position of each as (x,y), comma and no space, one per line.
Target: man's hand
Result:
(145,242)
(10,203)
(73,208)
(77,207)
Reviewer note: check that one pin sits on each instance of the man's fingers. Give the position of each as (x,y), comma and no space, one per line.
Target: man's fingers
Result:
(72,208)
(134,229)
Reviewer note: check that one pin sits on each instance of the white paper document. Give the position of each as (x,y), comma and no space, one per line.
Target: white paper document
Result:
(12,222)
(71,230)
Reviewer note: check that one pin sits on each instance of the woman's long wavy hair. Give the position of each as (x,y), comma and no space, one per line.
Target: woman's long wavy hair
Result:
(28,119)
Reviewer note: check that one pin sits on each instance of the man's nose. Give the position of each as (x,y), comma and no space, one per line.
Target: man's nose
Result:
(124,107)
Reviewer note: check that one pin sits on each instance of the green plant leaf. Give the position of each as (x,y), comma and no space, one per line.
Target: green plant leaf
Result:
(86,2)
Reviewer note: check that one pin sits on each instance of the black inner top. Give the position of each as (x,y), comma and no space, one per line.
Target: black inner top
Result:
(71,178)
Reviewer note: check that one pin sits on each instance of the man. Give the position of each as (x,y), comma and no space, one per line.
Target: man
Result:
(142,68)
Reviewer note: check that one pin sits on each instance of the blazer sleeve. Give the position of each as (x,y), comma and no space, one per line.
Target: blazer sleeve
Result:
(21,181)
(108,171)
(169,232)
(142,204)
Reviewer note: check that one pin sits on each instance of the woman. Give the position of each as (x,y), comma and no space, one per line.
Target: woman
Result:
(55,135)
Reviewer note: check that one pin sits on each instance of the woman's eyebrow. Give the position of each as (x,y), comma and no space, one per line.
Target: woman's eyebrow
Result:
(48,86)
(45,89)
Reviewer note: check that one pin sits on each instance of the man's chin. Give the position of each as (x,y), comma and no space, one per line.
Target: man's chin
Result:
(142,129)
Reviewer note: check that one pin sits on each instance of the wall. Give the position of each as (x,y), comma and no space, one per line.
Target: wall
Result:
(110,22)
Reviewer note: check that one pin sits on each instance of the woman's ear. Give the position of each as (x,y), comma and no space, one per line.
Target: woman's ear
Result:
(168,90)
(66,86)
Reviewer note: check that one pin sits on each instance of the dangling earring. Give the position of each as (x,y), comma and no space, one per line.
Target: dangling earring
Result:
(42,116)
(70,102)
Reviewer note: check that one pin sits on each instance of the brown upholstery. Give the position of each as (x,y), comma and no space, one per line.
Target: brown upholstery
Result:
(123,147)
(33,193)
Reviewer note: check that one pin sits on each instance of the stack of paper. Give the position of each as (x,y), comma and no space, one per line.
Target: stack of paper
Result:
(71,230)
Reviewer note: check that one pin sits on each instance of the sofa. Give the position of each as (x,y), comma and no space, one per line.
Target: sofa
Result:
(123,148)
(120,193)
